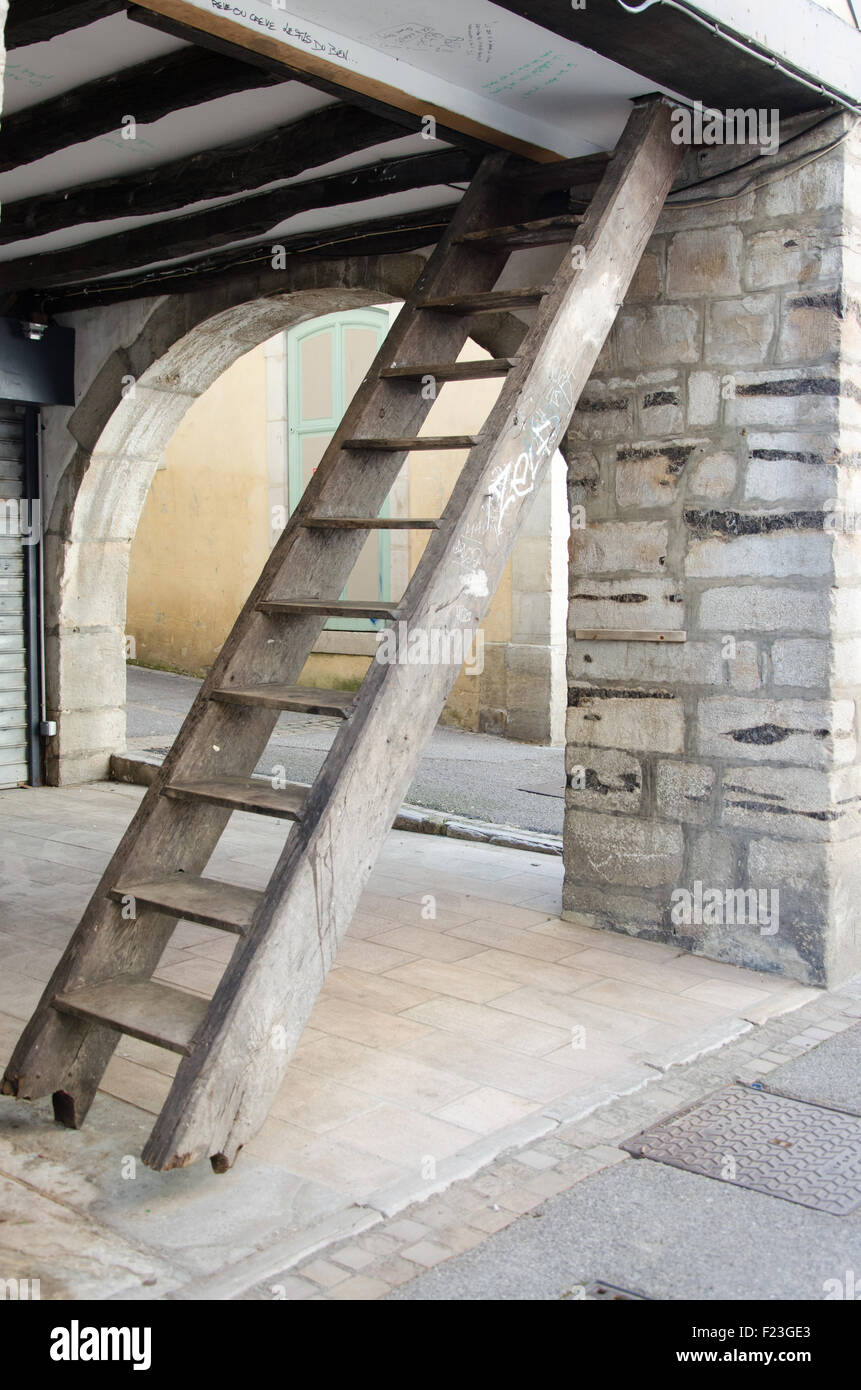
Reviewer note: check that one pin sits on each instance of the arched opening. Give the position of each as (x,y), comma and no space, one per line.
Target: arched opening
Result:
(182,349)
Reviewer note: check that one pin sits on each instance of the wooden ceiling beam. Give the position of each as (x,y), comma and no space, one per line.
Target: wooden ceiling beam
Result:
(308,143)
(373,237)
(253,216)
(355,97)
(36,21)
(146,91)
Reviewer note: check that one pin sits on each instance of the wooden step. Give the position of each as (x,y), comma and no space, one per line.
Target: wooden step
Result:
(562,173)
(244,794)
(298,698)
(144,1009)
(414,443)
(372,523)
(332,607)
(204,900)
(488,303)
(452,371)
(546,232)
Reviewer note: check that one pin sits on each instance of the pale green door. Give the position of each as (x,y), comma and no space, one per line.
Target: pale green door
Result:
(327,358)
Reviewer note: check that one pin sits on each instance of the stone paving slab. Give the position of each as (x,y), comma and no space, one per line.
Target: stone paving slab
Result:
(464,1021)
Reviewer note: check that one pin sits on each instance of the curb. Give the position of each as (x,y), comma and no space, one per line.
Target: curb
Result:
(139,769)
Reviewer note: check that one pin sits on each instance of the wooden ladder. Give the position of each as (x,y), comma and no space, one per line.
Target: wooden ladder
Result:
(235,1048)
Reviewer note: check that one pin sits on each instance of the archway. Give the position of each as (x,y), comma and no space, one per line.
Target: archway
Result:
(142,383)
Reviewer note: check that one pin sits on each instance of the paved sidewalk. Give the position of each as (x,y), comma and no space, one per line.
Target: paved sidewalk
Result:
(463,1020)
(473,775)
(573,1210)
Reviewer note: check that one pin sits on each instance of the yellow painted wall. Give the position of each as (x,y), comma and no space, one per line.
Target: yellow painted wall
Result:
(204,534)
(203,537)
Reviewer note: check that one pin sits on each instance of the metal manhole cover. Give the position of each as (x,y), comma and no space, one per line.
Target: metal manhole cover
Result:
(786,1148)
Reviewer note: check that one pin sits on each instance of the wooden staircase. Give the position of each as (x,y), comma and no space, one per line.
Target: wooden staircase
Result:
(235,1048)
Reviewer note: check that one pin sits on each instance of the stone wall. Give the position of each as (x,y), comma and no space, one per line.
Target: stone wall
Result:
(714,457)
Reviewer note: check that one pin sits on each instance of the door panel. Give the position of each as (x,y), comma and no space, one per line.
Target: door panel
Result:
(327,359)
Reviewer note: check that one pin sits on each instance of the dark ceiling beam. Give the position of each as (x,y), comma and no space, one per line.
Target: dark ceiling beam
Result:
(215,44)
(146,91)
(670,49)
(247,217)
(308,143)
(35,21)
(374,237)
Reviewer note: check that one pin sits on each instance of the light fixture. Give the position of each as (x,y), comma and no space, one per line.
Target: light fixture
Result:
(35,326)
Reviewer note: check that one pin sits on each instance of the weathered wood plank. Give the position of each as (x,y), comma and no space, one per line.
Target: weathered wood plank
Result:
(452,371)
(373,523)
(221,1095)
(244,794)
(204,900)
(149,90)
(612,634)
(144,1009)
(331,607)
(414,443)
(246,217)
(36,21)
(548,231)
(289,697)
(377,236)
(309,143)
(490,303)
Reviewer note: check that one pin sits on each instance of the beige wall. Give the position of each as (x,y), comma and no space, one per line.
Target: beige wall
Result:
(206,529)
(203,536)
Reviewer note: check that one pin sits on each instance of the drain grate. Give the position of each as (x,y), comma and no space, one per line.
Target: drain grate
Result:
(787,1148)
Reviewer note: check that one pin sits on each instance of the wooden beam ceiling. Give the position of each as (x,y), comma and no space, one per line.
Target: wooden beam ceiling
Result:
(35,21)
(283,153)
(148,91)
(381,236)
(247,217)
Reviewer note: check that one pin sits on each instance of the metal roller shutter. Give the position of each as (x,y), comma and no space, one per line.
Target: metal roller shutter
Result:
(13,609)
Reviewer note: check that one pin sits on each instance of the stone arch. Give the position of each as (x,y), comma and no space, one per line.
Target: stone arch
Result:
(146,363)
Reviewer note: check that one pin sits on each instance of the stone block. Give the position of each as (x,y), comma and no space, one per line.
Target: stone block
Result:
(795,467)
(625,603)
(740,331)
(814,733)
(686,663)
(802,803)
(602,780)
(706,261)
(801,661)
(622,850)
(662,411)
(786,397)
(647,475)
(811,327)
(638,721)
(791,257)
(777,555)
(604,547)
(703,398)
(685,791)
(712,477)
(659,335)
(752,608)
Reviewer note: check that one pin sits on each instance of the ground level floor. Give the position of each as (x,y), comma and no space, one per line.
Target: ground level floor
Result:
(456,1072)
